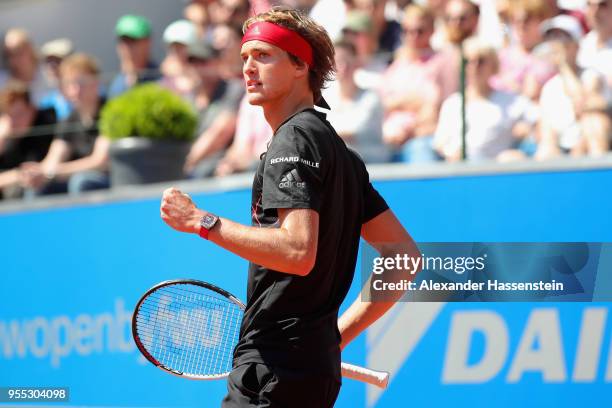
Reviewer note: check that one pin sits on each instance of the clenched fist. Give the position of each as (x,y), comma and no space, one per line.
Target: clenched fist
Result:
(179,211)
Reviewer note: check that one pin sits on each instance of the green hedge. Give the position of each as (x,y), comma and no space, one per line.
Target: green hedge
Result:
(149,111)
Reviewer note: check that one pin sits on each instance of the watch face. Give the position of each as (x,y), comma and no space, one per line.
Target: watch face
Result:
(208,221)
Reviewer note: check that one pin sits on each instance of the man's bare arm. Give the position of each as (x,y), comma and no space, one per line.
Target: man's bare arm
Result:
(9,178)
(389,238)
(291,248)
(212,140)
(97,160)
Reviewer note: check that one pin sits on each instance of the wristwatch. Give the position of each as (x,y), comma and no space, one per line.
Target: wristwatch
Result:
(207,222)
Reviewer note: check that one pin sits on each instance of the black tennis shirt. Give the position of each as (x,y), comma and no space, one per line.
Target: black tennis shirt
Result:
(292,321)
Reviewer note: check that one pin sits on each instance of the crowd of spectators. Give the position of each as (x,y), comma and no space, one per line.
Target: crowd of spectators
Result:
(416,82)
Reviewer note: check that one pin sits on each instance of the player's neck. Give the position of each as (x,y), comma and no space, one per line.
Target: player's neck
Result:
(278,111)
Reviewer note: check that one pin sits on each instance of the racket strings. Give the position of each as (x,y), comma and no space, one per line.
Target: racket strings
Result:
(190,329)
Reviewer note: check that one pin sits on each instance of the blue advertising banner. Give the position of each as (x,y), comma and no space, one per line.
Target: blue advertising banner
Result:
(71,277)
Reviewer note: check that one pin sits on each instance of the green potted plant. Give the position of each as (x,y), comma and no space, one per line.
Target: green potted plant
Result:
(151,130)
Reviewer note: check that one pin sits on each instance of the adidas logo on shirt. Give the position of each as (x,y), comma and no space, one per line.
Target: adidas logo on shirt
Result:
(291,179)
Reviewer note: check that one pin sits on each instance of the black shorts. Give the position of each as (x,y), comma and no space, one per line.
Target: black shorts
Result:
(254,385)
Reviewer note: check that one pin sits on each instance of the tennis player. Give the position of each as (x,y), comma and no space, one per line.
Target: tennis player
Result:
(311,201)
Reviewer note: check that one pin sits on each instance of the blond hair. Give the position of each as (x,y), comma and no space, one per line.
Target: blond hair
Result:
(19,38)
(81,63)
(323,65)
(477,46)
(419,12)
(12,92)
(529,8)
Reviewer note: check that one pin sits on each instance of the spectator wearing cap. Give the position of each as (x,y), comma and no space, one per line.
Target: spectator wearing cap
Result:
(359,29)
(555,9)
(596,47)
(410,89)
(78,157)
(492,116)
(573,103)
(53,53)
(134,51)
(23,64)
(387,31)
(217,101)
(178,36)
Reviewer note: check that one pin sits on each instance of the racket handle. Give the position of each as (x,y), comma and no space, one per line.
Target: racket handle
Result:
(377,378)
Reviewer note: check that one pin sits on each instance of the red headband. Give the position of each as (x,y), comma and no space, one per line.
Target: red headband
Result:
(282,37)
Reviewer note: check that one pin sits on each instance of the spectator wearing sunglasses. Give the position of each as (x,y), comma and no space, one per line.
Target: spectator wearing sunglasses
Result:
(410,90)
(492,116)
(521,70)
(461,21)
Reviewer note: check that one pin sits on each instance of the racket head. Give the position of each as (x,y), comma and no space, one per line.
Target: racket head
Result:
(188,328)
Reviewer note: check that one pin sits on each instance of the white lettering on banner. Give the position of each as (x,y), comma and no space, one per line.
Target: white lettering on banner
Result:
(13,339)
(39,325)
(547,357)
(589,344)
(60,329)
(58,337)
(540,347)
(394,337)
(463,326)
(83,333)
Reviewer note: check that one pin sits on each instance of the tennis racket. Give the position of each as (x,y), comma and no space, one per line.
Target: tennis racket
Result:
(189,328)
